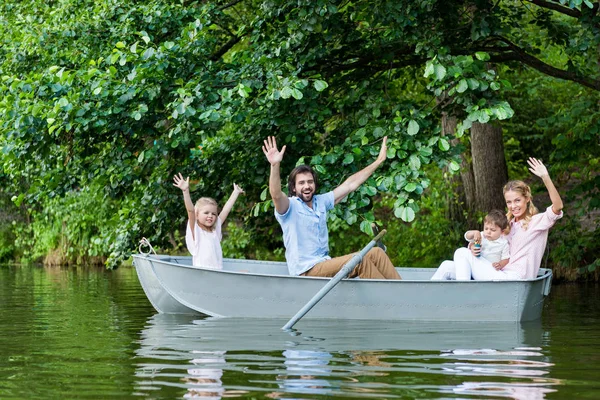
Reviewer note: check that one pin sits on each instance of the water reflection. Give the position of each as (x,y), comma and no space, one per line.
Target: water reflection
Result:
(216,358)
(205,380)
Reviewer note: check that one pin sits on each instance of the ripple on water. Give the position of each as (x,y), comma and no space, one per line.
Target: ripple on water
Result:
(238,358)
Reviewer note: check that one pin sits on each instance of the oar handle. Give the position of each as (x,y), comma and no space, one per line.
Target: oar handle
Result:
(380,235)
(342,273)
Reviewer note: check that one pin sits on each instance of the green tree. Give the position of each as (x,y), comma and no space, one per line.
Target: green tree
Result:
(122,96)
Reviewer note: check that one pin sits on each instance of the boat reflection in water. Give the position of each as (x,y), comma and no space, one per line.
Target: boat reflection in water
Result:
(182,356)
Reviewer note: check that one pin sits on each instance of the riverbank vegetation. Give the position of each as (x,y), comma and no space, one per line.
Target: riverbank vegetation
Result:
(102,102)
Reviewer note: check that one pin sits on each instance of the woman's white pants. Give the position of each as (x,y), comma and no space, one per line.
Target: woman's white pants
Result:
(465,265)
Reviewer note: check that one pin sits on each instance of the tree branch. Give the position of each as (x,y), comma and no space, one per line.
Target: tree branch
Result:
(556,7)
(374,65)
(518,54)
(226,47)
(228,5)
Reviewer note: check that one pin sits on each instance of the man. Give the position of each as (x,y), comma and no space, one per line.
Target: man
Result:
(303,218)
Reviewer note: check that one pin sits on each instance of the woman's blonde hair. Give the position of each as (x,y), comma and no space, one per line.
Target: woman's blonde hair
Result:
(205,201)
(523,189)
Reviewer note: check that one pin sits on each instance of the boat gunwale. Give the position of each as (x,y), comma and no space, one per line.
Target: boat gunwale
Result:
(545,272)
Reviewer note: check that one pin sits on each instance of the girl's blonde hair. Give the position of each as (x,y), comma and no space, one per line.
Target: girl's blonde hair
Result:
(523,189)
(205,201)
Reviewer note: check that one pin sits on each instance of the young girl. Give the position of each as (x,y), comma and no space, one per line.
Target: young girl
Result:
(203,233)
(527,237)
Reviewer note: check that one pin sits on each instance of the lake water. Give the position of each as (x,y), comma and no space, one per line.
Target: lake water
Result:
(88,333)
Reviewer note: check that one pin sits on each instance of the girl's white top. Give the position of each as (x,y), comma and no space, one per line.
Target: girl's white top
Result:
(206,248)
(493,250)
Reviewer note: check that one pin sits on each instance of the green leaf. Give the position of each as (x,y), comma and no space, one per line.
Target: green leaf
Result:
(440,72)
(454,166)
(462,86)
(297,94)
(407,214)
(351,219)
(348,159)
(148,53)
(425,151)
(473,83)
(370,190)
(413,127)
(320,169)
(410,187)
(320,85)
(443,144)
(366,227)
(484,117)
(286,92)
(429,70)
(414,162)
(141,157)
(482,56)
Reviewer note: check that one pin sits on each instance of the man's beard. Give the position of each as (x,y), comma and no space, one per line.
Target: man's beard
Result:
(306,197)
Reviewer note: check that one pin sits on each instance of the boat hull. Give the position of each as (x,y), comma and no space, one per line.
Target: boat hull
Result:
(160,299)
(255,289)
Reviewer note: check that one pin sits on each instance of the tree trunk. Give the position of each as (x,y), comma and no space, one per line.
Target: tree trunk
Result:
(455,200)
(489,167)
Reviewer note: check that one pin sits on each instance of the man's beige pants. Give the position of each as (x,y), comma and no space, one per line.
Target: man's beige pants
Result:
(375,265)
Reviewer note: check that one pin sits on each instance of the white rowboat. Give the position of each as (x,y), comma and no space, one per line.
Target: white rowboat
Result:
(263,289)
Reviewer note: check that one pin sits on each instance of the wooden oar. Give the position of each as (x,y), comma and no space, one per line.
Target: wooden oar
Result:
(342,273)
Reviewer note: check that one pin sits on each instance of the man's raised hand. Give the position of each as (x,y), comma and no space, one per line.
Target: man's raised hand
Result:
(273,155)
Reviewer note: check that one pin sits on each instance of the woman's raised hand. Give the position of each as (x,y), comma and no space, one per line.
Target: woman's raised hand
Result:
(273,155)
(183,184)
(537,167)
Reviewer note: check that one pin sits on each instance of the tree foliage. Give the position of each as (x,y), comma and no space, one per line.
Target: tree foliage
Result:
(120,95)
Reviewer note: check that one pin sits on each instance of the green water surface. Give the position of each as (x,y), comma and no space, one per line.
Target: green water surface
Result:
(88,333)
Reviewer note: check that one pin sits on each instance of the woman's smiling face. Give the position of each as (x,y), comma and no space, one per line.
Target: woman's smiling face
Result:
(516,204)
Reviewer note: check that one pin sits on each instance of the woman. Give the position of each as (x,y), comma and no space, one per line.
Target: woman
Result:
(527,237)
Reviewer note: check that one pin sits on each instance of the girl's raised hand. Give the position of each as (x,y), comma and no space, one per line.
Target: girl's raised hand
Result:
(237,189)
(383,151)
(183,184)
(537,167)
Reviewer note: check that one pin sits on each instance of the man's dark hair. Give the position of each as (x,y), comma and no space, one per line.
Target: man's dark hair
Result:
(300,169)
